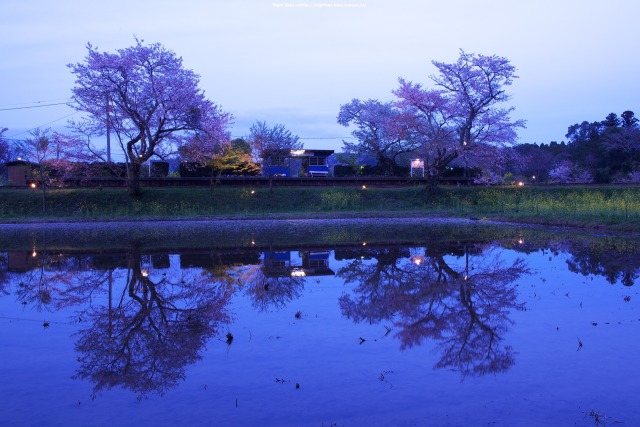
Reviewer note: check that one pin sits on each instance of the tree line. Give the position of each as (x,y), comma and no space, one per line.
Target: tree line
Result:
(144,99)
(606,151)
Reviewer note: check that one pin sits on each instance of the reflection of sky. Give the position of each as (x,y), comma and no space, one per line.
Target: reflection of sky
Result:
(341,380)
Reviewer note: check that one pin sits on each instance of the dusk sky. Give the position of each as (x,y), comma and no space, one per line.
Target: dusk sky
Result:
(296,62)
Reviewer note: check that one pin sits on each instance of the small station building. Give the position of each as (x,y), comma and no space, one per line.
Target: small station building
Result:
(303,264)
(294,163)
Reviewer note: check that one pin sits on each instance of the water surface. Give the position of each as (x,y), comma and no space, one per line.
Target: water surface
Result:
(314,324)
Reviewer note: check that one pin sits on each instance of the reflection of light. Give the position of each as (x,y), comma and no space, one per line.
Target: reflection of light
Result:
(417,260)
(298,273)
(297,152)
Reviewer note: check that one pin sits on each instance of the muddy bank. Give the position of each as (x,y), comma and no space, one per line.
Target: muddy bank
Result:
(222,233)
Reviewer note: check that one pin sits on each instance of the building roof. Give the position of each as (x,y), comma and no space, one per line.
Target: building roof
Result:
(20,163)
(302,153)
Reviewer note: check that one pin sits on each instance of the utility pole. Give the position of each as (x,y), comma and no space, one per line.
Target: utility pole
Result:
(108,133)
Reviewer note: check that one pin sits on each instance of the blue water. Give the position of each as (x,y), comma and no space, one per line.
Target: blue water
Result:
(466,334)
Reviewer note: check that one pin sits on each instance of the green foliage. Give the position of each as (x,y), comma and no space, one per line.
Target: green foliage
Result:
(508,178)
(340,200)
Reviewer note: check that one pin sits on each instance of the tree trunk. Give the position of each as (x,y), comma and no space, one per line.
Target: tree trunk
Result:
(43,186)
(133,179)
(44,198)
(433,184)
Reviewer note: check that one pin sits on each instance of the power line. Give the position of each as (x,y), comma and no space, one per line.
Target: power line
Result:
(33,106)
(333,137)
(35,102)
(11,138)
(304,137)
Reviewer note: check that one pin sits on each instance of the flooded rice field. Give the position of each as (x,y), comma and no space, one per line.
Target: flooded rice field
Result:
(317,323)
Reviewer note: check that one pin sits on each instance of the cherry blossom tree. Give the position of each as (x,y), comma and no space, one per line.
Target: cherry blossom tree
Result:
(203,150)
(151,102)
(53,156)
(568,172)
(465,112)
(381,131)
(269,144)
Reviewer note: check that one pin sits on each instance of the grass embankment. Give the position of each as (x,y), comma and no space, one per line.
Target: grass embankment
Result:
(611,207)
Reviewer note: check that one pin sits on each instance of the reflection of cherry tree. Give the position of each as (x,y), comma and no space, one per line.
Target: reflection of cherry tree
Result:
(267,291)
(377,283)
(46,286)
(4,273)
(465,309)
(151,331)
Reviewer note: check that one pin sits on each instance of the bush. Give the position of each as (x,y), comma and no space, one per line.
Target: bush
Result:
(159,169)
(107,170)
(195,170)
(602,176)
(343,170)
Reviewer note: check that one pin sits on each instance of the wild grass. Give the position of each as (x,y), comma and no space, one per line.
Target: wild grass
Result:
(590,206)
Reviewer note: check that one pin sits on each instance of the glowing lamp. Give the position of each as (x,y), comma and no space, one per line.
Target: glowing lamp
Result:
(298,273)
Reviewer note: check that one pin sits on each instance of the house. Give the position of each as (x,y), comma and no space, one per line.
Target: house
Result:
(294,163)
(19,172)
(307,263)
